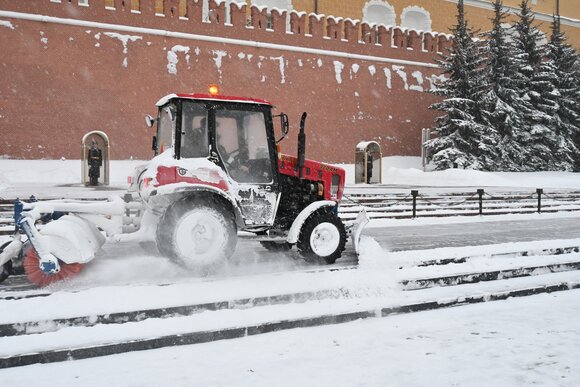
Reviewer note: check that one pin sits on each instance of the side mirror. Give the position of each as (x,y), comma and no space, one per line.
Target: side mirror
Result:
(149,121)
(283,125)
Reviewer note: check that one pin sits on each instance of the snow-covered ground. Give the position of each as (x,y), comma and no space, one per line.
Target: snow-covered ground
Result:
(63,177)
(518,342)
(407,171)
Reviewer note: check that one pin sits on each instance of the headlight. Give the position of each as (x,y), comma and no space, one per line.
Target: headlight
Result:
(335,184)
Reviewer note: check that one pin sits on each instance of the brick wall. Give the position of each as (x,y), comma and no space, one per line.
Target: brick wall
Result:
(68,69)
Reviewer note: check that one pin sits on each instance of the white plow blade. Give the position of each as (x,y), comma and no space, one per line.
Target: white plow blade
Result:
(361,221)
(72,239)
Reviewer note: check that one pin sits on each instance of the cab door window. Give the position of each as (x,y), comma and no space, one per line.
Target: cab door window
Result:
(166,128)
(242,144)
(194,138)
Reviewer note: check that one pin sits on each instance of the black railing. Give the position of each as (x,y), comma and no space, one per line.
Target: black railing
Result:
(479,202)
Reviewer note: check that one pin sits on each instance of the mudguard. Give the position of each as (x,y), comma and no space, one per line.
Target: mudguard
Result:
(183,189)
(294,231)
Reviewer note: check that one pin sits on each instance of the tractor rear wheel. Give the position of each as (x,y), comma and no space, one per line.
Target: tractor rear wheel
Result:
(197,234)
(322,236)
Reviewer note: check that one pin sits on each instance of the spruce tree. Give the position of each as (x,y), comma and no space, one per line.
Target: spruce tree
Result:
(567,84)
(502,104)
(540,138)
(462,140)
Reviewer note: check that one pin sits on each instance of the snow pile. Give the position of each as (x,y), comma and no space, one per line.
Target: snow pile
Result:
(25,177)
(58,172)
(376,275)
(404,170)
(407,170)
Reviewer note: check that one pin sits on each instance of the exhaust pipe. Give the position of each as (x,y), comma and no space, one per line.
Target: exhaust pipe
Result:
(301,146)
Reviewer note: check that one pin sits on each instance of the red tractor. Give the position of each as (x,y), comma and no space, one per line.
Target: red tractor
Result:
(216,171)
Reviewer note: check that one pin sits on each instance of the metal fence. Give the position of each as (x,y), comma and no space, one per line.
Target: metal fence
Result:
(415,204)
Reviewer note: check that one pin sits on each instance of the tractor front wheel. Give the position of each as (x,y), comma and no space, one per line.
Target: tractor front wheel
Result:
(197,234)
(322,236)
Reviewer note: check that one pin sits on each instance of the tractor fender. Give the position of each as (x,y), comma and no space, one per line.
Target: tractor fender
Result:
(180,192)
(294,231)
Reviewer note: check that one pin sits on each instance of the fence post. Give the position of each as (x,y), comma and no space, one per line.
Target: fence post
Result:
(18,208)
(539,191)
(414,194)
(480,192)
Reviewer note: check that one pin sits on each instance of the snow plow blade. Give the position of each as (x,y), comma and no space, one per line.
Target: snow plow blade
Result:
(360,222)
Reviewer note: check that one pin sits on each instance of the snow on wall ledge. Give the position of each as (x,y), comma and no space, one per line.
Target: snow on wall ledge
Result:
(105,68)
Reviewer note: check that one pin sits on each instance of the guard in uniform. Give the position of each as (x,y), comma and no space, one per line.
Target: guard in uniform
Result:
(95,161)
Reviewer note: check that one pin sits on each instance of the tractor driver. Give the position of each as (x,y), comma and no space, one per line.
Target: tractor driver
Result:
(194,139)
(230,155)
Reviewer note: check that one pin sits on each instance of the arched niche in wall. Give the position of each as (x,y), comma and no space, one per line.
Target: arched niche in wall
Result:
(379,12)
(416,18)
(280,4)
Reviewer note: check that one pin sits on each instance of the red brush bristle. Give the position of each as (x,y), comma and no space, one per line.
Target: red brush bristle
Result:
(40,278)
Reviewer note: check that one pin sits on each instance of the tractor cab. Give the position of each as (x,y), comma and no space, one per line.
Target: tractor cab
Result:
(236,135)
(217,171)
